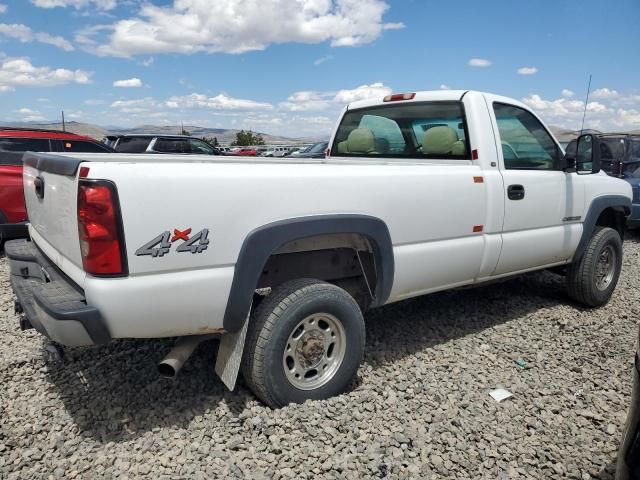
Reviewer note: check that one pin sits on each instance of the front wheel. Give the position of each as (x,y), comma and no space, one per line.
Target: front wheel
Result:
(305,341)
(592,278)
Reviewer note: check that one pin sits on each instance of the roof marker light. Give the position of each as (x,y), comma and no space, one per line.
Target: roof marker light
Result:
(399,96)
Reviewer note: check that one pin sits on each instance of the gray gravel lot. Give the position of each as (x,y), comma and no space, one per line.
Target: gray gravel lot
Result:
(419,409)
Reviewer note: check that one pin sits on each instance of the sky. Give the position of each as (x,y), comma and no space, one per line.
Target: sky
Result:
(288,67)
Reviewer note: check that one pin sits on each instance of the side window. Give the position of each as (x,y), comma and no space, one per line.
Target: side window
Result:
(25,144)
(418,130)
(526,144)
(198,146)
(132,144)
(169,145)
(83,147)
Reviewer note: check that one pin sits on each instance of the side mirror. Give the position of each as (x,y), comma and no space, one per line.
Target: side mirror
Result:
(587,154)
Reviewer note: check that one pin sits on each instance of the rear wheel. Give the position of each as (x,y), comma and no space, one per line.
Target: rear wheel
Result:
(305,341)
(593,277)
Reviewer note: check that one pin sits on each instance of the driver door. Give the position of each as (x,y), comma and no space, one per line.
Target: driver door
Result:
(543,204)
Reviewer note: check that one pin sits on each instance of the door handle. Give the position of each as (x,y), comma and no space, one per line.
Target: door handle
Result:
(515,192)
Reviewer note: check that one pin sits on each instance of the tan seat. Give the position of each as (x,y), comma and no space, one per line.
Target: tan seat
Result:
(360,140)
(440,141)
(459,148)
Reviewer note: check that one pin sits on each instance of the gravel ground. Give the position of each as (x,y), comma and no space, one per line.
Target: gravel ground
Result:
(419,409)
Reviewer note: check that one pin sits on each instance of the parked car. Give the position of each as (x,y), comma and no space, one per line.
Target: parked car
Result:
(148,143)
(317,150)
(620,157)
(281,258)
(246,152)
(628,467)
(276,152)
(22,140)
(15,141)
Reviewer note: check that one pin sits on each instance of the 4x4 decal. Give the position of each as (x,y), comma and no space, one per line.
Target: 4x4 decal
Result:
(161,245)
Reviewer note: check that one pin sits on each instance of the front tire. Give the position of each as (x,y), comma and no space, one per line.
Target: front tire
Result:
(305,341)
(592,279)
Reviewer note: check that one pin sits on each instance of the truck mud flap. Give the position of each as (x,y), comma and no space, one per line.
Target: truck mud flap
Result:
(230,355)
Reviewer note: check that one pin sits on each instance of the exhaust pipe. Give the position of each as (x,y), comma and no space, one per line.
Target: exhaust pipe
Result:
(180,353)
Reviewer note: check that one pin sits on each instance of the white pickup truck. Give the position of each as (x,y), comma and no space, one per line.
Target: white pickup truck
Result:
(419,193)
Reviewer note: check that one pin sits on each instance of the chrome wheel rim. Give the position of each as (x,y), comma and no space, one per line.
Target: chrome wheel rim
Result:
(314,351)
(605,267)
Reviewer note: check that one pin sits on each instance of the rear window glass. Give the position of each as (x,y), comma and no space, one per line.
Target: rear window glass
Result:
(83,147)
(408,130)
(169,145)
(25,144)
(132,144)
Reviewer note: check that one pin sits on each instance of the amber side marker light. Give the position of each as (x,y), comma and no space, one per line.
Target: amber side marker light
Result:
(396,97)
(477,228)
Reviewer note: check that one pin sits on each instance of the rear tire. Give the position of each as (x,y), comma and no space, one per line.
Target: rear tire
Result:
(592,279)
(304,341)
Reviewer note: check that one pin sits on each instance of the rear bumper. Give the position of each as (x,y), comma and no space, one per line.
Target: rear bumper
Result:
(51,302)
(629,457)
(13,230)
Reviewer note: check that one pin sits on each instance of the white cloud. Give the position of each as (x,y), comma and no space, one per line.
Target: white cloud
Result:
(527,71)
(99,4)
(305,101)
(566,93)
(94,102)
(129,83)
(321,60)
(137,106)
(236,26)
(479,62)
(219,102)
(604,93)
(147,62)
(24,34)
(362,93)
(19,72)
(29,115)
(610,112)
(445,87)
(3,8)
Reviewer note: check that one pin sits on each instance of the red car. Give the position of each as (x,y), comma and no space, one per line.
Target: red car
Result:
(13,143)
(246,152)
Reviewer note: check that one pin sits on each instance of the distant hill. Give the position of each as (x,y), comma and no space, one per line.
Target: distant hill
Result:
(565,135)
(95,131)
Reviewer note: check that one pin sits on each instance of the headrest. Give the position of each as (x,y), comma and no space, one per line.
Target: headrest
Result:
(361,140)
(439,140)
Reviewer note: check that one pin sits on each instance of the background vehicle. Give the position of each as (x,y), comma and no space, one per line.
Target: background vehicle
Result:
(620,157)
(13,142)
(161,144)
(628,467)
(23,140)
(317,150)
(245,152)
(281,258)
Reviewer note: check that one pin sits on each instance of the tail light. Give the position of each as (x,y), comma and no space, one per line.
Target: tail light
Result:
(100,229)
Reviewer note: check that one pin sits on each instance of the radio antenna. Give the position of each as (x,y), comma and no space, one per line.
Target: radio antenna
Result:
(586,102)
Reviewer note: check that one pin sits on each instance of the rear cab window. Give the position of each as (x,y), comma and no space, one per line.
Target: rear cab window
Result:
(25,144)
(133,144)
(170,145)
(416,130)
(81,146)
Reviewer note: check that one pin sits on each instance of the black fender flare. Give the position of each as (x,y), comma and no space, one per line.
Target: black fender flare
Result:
(263,241)
(598,205)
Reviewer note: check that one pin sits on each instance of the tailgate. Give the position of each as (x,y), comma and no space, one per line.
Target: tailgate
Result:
(50,192)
